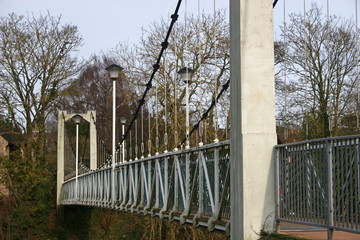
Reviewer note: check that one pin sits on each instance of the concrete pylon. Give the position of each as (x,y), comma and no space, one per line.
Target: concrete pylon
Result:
(93,140)
(60,156)
(253,132)
(63,116)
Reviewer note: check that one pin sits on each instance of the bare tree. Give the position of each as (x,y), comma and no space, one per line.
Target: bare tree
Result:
(92,90)
(320,60)
(200,45)
(36,61)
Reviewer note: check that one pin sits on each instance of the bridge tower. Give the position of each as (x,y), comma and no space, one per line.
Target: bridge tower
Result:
(63,116)
(253,132)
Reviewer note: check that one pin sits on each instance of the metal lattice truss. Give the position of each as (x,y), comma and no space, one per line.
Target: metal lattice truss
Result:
(191,186)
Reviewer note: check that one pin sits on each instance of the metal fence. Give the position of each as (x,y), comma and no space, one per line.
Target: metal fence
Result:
(318,183)
(191,185)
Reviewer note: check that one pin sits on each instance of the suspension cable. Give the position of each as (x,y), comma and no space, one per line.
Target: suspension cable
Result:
(142,132)
(149,128)
(156,67)
(274,3)
(176,134)
(329,79)
(97,130)
(136,145)
(199,69)
(206,113)
(215,78)
(165,97)
(156,119)
(306,79)
(186,60)
(357,68)
(285,81)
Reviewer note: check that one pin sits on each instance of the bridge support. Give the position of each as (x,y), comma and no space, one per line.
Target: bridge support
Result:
(60,156)
(63,116)
(253,132)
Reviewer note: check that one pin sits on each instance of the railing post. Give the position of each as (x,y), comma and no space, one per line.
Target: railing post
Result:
(216,180)
(136,192)
(157,188)
(187,189)
(121,187)
(131,182)
(330,206)
(358,166)
(277,186)
(126,187)
(200,191)
(149,185)
(176,187)
(187,180)
(176,190)
(100,184)
(142,186)
(216,213)
(166,188)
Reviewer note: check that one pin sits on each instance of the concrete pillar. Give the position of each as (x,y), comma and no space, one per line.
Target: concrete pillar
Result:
(253,133)
(60,155)
(63,116)
(93,140)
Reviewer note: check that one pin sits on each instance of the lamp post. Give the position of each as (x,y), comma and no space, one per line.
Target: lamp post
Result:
(114,71)
(186,74)
(123,121)
(77,119)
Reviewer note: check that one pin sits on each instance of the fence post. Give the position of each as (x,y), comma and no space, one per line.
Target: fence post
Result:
(277,186)
(330,206)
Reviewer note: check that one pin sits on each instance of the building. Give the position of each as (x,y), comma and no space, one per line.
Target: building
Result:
(8,143)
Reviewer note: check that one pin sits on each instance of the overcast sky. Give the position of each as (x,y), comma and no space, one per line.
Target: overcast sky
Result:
(105,23)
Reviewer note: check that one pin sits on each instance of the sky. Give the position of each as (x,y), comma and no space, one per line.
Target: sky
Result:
(103,24)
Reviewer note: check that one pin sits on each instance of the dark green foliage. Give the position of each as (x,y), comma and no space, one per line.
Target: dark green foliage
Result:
(96,223)
(31,202)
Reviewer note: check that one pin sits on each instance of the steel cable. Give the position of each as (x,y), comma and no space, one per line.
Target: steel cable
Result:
(156,67)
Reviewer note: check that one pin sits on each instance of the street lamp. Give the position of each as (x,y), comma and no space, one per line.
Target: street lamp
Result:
(114,71)
(77,119)
(186,74)
(123,121)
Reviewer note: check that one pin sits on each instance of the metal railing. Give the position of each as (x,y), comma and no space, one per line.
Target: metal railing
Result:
(191,185)
(318,183)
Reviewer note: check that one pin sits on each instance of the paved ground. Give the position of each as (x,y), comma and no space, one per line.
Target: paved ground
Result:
(314,233)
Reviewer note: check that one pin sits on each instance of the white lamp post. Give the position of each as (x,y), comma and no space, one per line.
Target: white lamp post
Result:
(123,121)
(77,119)
(114,71)
(186,74)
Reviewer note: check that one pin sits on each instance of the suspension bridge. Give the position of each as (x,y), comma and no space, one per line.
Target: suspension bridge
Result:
(240,183)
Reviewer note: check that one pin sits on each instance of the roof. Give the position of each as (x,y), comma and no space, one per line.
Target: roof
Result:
(9,135)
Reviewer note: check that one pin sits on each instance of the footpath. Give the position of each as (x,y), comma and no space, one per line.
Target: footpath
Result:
(314,233)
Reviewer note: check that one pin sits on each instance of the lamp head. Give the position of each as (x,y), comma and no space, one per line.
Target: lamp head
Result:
(77,118)
(186,74)
(123,119)
(114,71)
